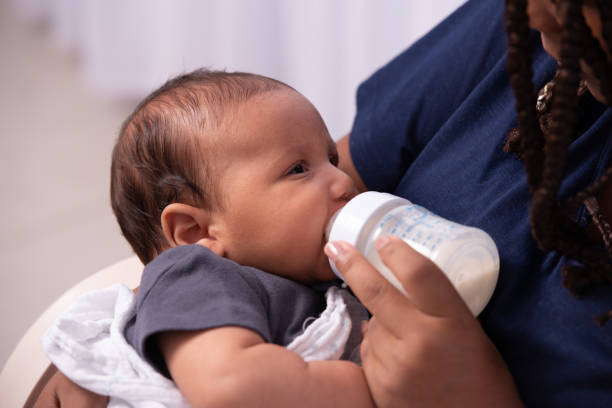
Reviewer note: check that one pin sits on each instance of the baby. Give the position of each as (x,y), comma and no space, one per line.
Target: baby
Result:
(215,178)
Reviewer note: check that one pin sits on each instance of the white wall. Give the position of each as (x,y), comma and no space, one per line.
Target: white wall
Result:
(324,48)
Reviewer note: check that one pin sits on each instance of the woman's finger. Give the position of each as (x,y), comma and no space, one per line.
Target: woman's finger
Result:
(384,362)
(424,283)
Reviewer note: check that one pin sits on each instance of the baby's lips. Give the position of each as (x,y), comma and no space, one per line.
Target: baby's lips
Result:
(330,222)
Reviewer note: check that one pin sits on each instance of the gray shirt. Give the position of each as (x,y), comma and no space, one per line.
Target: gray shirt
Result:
(190,288)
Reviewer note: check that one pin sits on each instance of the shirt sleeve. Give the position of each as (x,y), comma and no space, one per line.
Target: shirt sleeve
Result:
(402,105)
(190,288)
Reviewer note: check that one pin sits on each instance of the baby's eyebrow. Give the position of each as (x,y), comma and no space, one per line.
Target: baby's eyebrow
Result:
(280,156)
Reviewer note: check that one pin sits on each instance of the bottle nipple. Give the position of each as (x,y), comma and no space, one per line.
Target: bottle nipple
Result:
(330,224)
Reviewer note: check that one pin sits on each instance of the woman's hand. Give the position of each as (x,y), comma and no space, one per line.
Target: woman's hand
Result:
(424,350)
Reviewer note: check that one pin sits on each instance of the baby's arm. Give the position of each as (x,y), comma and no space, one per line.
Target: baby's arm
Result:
(234,367)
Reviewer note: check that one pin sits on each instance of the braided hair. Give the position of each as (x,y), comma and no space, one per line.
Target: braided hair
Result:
(542,140)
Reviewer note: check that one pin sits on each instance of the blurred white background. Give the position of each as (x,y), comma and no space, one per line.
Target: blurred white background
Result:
(73,69)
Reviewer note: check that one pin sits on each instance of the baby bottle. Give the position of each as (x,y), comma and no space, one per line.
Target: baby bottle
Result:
(467,255)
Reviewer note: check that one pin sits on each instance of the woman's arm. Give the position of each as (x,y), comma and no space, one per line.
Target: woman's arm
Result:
(345,162)
(59,391)
(233,367)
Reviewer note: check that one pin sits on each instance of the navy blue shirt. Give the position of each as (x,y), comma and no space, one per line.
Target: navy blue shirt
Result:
(430,127)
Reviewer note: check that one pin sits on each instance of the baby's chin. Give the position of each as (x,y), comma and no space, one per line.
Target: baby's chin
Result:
(325,273)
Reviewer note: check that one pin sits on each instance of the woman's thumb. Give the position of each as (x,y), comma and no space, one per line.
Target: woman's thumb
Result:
(425,285)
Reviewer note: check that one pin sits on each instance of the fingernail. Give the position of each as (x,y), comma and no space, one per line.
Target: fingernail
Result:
(334,250)
(382,242)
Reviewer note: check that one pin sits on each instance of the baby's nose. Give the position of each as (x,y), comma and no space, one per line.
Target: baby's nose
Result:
(343,188)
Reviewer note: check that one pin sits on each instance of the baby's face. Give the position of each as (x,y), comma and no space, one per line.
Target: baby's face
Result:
(280,185)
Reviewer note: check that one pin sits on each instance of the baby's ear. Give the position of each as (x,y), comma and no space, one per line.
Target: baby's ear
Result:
(184,224)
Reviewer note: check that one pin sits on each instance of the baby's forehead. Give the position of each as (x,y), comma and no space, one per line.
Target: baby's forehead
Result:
(278,117)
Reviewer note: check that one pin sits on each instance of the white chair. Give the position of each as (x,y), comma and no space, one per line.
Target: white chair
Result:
(27,364)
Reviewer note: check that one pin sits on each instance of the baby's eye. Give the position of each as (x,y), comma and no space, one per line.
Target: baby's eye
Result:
(333,159)
(297,169)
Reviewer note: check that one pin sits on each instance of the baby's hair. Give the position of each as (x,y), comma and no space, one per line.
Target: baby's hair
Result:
(543,144)
(162,156)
